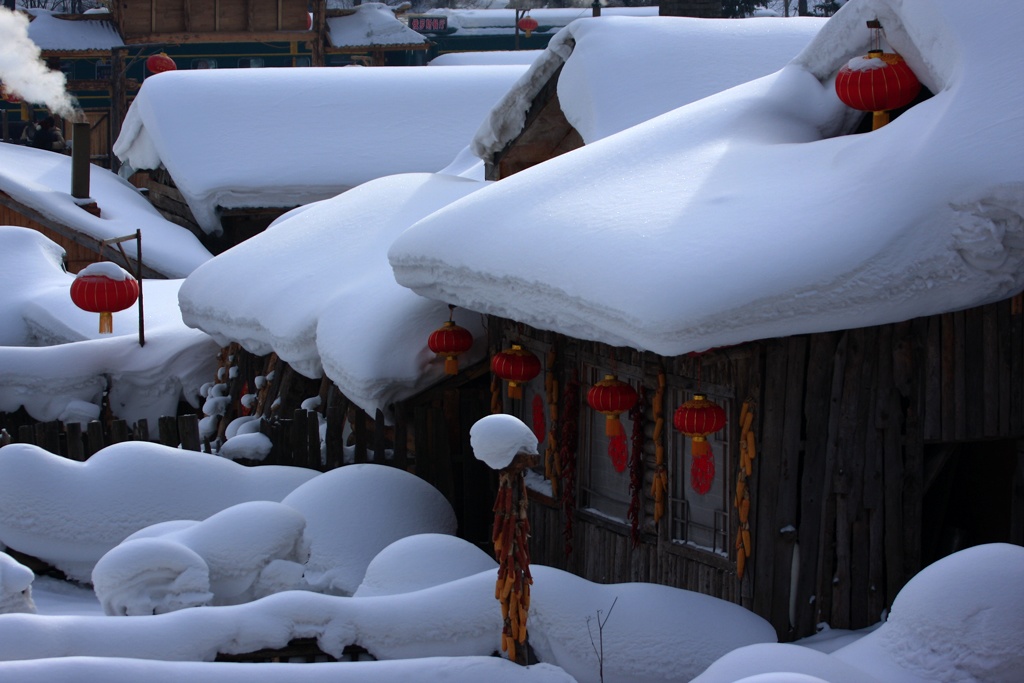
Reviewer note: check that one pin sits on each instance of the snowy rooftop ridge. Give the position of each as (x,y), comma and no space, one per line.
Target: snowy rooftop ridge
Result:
(751,214)
(372,24)
(322,131)
(628,69)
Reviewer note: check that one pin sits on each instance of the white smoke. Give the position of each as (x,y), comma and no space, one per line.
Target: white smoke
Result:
(23,72)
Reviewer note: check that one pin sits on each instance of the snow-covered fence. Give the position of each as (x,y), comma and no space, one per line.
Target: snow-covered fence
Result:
(77,442)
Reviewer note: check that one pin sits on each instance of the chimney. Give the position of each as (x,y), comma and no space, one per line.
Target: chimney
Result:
(81,148)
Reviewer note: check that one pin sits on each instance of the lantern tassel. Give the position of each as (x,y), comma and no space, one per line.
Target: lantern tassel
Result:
(515,390)
(451,365)
(612,425)
(879,119)
(106,322)
(700,447)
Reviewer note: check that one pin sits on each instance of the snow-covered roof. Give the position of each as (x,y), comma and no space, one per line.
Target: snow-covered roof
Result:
(743,216)
(286,137)
(372,24)
(620,71)
(53,31)
(489,22)
(41,180)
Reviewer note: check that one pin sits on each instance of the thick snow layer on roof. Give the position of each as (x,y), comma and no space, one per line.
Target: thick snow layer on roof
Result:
(50,31)
(285,137)
(621,71)
(372,24)
(41,180)
(56,364)
(340,245)
(741,217)
(524,57)
(463,22)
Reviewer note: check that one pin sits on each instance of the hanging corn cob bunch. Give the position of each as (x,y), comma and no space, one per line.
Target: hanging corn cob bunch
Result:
(552,462)
(659,484)
(510,535)
(748,451)
(636,460)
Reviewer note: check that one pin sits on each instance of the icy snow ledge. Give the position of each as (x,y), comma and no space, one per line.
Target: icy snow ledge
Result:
(738,217)
(70,514)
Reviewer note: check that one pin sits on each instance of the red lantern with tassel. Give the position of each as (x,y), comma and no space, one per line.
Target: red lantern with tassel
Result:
(160,63)
(104,288)
(516,366)
(878,82)
(527,25)
(449,341)
(611,397)
(696,419)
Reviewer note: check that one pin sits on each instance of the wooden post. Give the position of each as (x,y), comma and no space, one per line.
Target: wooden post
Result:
(118,431)
(299,455)
(76,447)
(95,440)
(167,428)
(188,432)
(313,440)
(335,431)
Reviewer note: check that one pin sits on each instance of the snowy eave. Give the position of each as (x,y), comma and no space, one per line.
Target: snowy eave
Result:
(72,33)
(372,25)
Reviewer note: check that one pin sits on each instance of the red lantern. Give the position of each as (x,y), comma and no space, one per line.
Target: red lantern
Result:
(696,419)
(8,96)
(449,341)
(160,63)
(517,366)
(611,397)
(879,82)
(101,292)
(527,24)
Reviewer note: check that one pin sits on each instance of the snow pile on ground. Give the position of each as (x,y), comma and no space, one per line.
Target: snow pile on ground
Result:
(354,512)
(497,439)
(655,633)
(922,216)
(960,619)
(70,514)
(244,552)
(341,244)
(54,361)
(422,561)
(448,669)
(15,586)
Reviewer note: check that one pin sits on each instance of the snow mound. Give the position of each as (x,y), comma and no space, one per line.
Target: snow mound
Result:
(638,618)
(778,662)
(959,619)
(70,514)
(496,439)
(15,586)
(417,562)
(354,512)
(235,548)
(150,576)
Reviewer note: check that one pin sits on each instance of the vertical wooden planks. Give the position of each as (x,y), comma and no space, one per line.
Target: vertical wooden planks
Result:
(772,415)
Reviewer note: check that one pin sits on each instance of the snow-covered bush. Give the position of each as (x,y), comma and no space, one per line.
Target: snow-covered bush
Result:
(421,561)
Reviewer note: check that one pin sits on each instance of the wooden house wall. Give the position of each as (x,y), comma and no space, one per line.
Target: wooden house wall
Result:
(77,255)
(855,430)
(150,18)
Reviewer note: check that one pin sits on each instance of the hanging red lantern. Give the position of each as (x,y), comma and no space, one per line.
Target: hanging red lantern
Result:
(9,96)
(104,288)
(159,63)
(527,24)
(878,82)
(611,397)
(516,366)
(697,418)
(449,341)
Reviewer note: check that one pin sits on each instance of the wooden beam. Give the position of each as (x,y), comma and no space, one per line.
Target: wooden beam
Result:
(280,15)
(187,7)
(152,16)
(250,15)
(216,15)
(227,37)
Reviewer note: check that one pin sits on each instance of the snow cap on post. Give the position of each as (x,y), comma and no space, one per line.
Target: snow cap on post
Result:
(498,439)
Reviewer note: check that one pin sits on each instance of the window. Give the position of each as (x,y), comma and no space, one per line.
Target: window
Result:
(204,63)
(301,61)
(250,62)
(102,70)
(603,488)
(698,520)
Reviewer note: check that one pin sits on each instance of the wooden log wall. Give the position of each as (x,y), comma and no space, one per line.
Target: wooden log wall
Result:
(848,424)
(78,256)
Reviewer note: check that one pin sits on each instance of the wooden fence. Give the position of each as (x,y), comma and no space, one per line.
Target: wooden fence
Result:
(295,441)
